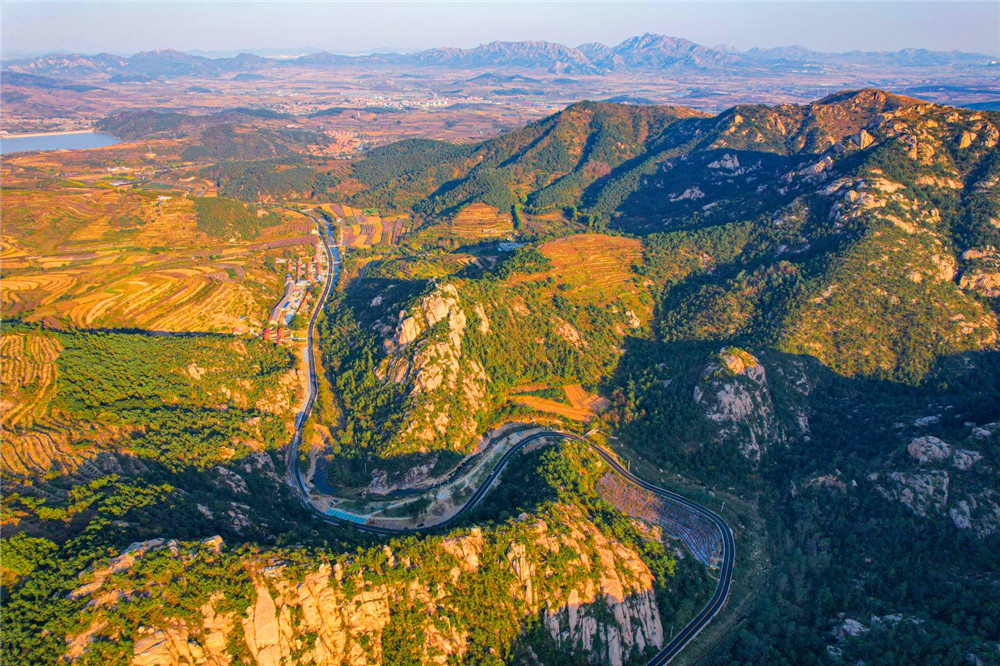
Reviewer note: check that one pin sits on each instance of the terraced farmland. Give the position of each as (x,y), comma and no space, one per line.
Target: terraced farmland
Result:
(479,221)
(36,440)
(199,296)
(92,256)
(69,399)
(360,229)
(28,374)
(365,234)
(594,266)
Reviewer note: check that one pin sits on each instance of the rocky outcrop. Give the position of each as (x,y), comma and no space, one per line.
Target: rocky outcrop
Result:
(929,449)
(923,492)
(424,352)
(986,283)
(948,484)
(595,597)
(978,512)
(735,395)
(965,459)
(175,643)
(927,494)
(122,563)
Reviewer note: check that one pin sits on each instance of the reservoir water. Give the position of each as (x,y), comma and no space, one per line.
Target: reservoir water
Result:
(61,141)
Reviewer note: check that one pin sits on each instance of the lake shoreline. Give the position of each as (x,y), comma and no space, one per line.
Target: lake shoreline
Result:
(49,141)
(37,135)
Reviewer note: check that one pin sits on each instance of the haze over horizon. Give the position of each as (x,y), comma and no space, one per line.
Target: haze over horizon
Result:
(37,28)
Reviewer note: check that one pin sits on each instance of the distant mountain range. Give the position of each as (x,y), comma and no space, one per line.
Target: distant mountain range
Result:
(643,52)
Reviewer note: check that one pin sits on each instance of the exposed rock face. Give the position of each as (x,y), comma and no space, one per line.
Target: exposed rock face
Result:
(850,627)
(863,139)
(929,449)
(122,563)
(735,394)
(176,645)
(938,493)
(979,512)
(988,284)
(923,492)
(567,332)
(964,459)
(429,359)
(484,323)
(595,598)
(465,549)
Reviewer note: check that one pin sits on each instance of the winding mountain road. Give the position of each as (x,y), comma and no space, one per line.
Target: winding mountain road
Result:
(728,555)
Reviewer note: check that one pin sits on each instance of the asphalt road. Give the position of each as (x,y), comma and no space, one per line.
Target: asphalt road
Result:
(676,644)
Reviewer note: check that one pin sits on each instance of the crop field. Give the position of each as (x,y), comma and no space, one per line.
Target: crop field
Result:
(142,291)
(580,399)
(28,374)
(596,267)
(373,230)
(550,222)
(35,440)
(554,407)
(81,252)
(582,406)
(479,220)
(426,268)
(364,228)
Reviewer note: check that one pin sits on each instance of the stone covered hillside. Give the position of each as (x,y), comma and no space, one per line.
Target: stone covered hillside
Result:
(458,598)
(803,229)
(544,573)
(428,365)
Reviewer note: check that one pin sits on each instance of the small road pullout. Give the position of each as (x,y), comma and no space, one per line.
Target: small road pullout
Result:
(728,555)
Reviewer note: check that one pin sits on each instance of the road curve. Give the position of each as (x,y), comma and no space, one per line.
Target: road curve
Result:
(728,556)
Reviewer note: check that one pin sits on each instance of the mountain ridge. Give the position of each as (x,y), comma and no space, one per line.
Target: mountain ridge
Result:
(638,53)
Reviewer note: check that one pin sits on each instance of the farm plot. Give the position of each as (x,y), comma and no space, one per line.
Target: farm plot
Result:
(553,407)
(13,255)
(373,230)
(479,220)
(28,374)
(696,531)
(580,399)
(25,293)
(193,297)
(595,267)
(35,441)
(582,406)
(74,259)
(177,299)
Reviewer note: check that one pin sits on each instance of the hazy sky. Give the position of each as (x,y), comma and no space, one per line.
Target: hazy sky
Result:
(127,27)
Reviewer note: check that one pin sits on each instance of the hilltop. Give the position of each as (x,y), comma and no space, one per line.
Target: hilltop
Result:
(806,225)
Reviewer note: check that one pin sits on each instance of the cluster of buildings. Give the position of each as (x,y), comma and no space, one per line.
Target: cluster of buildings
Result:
(301,274)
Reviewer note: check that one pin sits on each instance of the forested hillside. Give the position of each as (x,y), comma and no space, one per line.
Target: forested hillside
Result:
(816,299)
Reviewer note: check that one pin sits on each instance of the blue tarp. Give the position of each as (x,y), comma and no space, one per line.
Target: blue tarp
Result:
(349,517)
